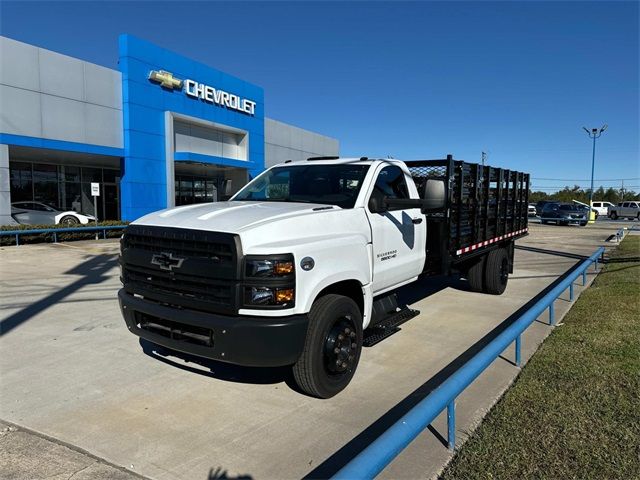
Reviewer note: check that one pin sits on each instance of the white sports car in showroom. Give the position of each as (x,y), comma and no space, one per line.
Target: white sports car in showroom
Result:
(36,213)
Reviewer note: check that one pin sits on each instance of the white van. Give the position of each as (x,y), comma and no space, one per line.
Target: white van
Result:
(602,207)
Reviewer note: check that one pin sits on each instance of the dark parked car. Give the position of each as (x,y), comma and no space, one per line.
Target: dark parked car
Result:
(540,206)
(564,214)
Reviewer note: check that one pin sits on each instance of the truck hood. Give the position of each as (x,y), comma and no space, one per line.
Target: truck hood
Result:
(231,217)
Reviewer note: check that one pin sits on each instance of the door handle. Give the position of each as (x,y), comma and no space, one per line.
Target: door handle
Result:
(416,221)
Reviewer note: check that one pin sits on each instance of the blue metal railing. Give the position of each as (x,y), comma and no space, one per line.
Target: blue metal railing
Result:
(372,460)
(55,231)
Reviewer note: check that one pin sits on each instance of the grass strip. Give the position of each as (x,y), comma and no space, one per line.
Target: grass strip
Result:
(574,410)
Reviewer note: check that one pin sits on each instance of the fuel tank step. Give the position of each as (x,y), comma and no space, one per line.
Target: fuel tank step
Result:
(388,326)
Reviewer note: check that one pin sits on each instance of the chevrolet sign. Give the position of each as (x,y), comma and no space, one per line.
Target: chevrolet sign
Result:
(219,97)
(204,92)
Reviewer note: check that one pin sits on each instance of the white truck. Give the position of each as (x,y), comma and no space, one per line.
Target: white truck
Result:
(629,210)
(301,266)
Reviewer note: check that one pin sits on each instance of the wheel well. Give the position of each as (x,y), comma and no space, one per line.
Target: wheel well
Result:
(347,288)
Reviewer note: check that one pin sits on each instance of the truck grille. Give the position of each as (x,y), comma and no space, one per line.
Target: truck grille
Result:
(192,269)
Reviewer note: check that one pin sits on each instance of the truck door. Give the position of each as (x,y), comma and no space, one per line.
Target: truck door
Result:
(398,234)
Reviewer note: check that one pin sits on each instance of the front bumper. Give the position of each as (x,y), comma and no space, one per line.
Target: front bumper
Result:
(574,220)
(241,340)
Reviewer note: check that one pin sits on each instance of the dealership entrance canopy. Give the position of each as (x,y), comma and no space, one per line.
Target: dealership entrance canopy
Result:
(163,130)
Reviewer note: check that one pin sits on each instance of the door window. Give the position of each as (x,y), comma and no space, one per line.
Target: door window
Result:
(390,183)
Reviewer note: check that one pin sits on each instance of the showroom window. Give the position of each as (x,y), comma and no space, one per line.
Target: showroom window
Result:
(191,189)
(21,175)
(66,187)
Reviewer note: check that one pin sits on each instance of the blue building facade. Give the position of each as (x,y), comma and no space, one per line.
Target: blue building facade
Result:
(161,130)
(148,107)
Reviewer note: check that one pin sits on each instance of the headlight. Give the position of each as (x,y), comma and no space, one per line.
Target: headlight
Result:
(265,296)
(269,281)
(270,267)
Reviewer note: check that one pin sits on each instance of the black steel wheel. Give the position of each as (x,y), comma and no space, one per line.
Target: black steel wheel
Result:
(69,221)
(496,273)
(332,348)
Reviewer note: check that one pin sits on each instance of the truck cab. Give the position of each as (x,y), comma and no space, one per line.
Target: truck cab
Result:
(290,271)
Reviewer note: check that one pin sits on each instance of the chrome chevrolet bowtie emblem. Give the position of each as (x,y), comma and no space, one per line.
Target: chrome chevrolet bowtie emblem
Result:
(166,261)
(165,79)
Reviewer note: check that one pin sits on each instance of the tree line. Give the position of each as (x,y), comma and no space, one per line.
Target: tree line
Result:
(567,194)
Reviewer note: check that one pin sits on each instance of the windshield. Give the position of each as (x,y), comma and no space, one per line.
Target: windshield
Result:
(326,184)
(52,207)
(568,207)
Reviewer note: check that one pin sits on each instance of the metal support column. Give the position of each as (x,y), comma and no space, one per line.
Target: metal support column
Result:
(451,424)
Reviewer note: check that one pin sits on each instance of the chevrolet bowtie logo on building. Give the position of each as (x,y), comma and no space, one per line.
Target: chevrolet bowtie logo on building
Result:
(166,261)
(165,79)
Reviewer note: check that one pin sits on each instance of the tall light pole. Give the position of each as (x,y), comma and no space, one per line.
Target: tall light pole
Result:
(593,133)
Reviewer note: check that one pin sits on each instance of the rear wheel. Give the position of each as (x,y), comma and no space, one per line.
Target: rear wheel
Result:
(69,221)
(475,275)
(496,272)
(332,347)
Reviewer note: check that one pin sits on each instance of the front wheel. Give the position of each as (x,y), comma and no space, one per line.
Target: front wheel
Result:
(332,347)
(496,272)
(614,216)
(69,221)
(583,224)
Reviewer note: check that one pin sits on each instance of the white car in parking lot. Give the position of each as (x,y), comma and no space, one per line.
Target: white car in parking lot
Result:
(36,213)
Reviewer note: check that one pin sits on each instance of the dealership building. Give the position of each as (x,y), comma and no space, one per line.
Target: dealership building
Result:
(162,130)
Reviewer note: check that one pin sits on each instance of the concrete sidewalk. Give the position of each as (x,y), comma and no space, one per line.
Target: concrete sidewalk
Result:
(71,370)
(27,455)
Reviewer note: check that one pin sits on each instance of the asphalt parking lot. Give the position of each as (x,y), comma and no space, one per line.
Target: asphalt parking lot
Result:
(71,370)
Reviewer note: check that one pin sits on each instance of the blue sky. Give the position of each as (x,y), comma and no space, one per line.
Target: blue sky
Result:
(411,80)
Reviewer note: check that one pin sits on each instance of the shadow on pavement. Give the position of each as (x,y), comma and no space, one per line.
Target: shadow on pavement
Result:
(361,441)
(220,474)
(552,252)
(216,369)
(91,272)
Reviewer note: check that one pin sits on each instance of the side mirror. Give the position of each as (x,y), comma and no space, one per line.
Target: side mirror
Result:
(434,196)
(377,204)
(226,187)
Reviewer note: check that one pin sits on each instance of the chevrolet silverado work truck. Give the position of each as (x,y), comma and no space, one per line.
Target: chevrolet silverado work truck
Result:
(300,267)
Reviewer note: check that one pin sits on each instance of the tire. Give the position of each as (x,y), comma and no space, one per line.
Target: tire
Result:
(543,222)
(614,216)
(496,272)
(69,220)
(583,224)
(332,320)
(475,275)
